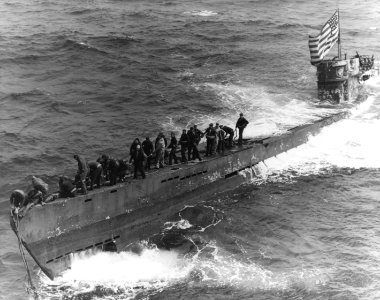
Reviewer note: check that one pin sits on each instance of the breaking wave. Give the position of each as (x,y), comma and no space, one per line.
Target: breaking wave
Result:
(201,13)
(126,275)
(349,144)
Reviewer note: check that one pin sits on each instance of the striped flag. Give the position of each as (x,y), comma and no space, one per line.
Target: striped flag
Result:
(321,44)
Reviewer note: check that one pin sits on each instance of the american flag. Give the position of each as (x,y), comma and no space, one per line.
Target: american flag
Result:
(321,44)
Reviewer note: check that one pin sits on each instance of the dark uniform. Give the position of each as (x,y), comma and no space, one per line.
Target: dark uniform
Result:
(138,160)
(193,152)
(95,174)
(113,169)
(173,148)
(66,187)
(17,199)
(82,172)
(210,138)
(147,146)
(241,124)
(104,161)
(123,169)
(184,142)
(132,149)
(221,135)
(198,135)
(230,132)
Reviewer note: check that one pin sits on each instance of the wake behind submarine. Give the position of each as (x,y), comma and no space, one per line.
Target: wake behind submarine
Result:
(111,217)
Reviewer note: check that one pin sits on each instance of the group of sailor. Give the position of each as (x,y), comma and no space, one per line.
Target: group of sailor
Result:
(142,156)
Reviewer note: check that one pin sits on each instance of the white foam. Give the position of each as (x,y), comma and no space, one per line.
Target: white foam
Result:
(201,13)
(129,274)
(350,143)
(268,113)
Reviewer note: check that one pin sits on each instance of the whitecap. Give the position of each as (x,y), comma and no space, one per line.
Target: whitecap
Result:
(201,13)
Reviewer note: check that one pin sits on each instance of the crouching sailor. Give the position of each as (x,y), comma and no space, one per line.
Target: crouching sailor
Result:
(39,192)
(17,200)
(95,174)
(66,187)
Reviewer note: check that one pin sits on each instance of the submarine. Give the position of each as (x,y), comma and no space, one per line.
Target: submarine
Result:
(113,217)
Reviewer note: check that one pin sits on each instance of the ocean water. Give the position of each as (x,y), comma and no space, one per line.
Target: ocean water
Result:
(89,76)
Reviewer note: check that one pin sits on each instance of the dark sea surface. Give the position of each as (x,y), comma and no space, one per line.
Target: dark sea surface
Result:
(90,76)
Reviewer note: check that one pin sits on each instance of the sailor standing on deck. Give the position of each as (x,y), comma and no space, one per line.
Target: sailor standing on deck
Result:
(220,135)
(210,138)
(147,146)
(192,148)
(241,124)
(138,160)
(173,148)
(184,142)
(82,172)
(132,149)
(160,150)
(198,134)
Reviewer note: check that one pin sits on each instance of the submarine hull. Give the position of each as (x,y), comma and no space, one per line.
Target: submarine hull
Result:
(133,210)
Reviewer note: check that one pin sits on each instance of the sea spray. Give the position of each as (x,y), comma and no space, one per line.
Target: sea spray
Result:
(125,275)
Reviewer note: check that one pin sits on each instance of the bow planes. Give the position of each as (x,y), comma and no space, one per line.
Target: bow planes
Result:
(113,217)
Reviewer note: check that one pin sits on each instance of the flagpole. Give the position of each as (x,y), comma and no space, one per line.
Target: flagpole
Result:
(339,45)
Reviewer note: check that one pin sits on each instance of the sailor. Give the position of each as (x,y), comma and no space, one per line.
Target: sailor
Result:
(82,172)
(113,169)
(38,193)
(160,150)
(220,135)
(184,142)
(66,187)
(147,146)
(198,134)
(173,148)
(139,157)
(95,174)
(132,149)
(123,169)
(193,152)
(17,199)
(210,138)
(104,161)
(241,124)
(230,132)
(159,136)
